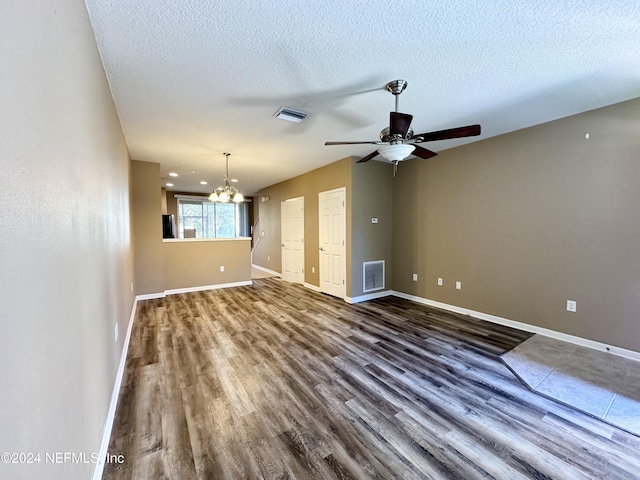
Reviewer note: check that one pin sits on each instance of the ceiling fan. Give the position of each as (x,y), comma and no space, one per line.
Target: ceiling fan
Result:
(398,140)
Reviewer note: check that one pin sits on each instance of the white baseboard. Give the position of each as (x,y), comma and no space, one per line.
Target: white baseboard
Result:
(108,426)
(208,287)
(150,296)
(368,296)
(311,287)
(584,342)
(106,436)
(258,267)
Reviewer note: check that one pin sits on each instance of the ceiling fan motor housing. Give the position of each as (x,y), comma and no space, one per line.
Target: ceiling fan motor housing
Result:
(385,136)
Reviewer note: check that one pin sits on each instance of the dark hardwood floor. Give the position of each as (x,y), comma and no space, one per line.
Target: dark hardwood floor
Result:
(277,381)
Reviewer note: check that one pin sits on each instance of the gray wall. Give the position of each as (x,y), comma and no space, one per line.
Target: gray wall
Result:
(65,254)
(528,220)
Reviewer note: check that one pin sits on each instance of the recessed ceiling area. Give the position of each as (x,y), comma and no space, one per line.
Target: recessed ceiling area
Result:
(194,79)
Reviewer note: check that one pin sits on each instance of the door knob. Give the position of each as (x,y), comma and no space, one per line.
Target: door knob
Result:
(322,249)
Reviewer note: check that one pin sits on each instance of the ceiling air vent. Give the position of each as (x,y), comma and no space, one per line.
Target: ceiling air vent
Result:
(291,115)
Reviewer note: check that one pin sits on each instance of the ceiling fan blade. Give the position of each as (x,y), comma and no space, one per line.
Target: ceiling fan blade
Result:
(354,143)
(423,152)
(468,131)
(399,123)
(368,157)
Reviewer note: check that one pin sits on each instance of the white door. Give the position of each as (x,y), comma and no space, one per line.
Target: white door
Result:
(292,231)
(332,228)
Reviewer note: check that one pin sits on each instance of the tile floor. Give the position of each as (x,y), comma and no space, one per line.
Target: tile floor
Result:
(599,383)
(256,273)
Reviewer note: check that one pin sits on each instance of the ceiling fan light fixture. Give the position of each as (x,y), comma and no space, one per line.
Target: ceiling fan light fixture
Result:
(396,152)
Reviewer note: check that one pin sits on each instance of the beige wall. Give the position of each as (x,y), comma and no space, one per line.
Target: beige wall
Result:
(161,266)
(172,205)
(65,254)
(146,213)
(268,252)
(163,200)
(369,194)
(196,263)
(372,196)
(528,220)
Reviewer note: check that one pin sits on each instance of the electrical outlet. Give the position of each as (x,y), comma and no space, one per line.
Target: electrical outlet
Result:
(439,282)
(313,269)
(458,285)
(415,277)
(268,258)
(115,334)
(262,234)
(571,306)
(374,219)
(222,268)
(132,288)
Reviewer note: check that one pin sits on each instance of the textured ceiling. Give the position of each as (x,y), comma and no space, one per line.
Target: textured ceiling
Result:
(192,79)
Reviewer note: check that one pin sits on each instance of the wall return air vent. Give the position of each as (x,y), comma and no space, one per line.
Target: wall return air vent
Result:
(291,114)
(372,276)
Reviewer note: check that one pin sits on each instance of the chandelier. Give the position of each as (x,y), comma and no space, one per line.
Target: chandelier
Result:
(226,192)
